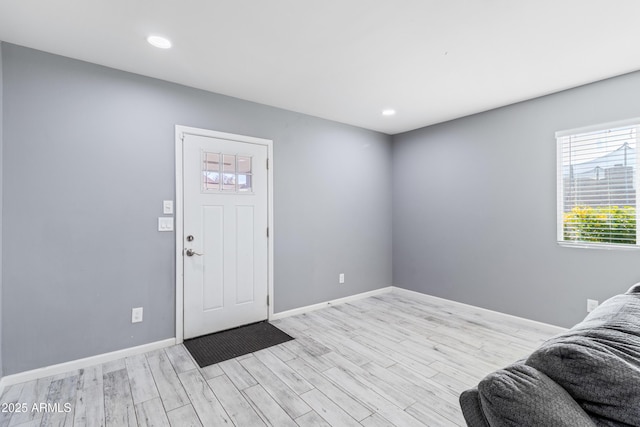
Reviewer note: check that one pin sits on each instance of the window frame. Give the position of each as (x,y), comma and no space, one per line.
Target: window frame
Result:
(560,135)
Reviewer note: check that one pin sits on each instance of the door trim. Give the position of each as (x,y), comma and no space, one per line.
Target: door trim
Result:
(179,207)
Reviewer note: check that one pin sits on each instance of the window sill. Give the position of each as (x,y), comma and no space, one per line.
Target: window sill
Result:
(605,246)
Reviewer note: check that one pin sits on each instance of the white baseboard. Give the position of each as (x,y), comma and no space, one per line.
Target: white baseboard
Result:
(552,329)
(82,363)
(325,304)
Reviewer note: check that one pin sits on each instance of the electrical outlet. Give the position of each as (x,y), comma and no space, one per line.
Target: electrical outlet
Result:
(341,278)
(136,315)
(591,305)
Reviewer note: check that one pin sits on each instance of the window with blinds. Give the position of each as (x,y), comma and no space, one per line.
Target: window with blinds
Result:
(597,185)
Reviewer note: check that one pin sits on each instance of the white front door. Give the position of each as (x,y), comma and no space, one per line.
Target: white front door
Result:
(225,243)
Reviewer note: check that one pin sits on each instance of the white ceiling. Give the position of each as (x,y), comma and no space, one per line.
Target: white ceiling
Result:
(346,60)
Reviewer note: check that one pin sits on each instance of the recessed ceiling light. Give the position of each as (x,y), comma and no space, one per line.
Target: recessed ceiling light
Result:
(388,112)
(159,42)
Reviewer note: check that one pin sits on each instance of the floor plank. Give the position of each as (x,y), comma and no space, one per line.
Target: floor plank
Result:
(180,358)
(62,393)
(281,393)
(143,387)
(33,393)
(118,404)
(90,399)
(354,408)
(270,411)
(208,408)
(311,419)
(237,374)
(184,417)
(287,375)
(239,410)
(169,386)
(10,397)
(151,413)
(328,410)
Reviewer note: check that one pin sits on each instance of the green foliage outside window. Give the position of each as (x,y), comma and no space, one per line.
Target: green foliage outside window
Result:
(606,224)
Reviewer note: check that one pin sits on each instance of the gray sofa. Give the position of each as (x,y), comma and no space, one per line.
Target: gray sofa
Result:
(587,376)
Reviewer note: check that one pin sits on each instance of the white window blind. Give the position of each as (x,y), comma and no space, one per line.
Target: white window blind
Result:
(597,185)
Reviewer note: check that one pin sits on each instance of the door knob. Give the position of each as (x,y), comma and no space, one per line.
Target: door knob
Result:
(191,252)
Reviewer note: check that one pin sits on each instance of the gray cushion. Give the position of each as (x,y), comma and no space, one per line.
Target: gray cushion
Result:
(598,361)
(471,408)
(521,396)
(635,289)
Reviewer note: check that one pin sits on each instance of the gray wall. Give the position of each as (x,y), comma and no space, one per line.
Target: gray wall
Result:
(88,159)
(1,186)
(474,216)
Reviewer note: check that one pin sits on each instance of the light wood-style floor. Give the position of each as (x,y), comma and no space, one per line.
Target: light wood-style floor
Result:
(388,360)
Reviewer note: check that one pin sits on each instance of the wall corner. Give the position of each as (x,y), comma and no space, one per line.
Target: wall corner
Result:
(1,195)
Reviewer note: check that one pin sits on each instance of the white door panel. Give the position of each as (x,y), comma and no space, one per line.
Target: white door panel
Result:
(226,213)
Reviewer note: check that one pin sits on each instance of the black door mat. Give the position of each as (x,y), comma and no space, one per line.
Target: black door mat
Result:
(220,346)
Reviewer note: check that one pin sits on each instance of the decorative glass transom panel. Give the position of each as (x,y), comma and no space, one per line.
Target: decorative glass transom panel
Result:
(229,173)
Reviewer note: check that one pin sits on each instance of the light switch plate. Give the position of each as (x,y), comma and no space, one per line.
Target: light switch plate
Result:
(167,207)
(165,223)
(136,315)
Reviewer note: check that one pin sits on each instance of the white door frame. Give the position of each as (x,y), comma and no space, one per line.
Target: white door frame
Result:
(179,215)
